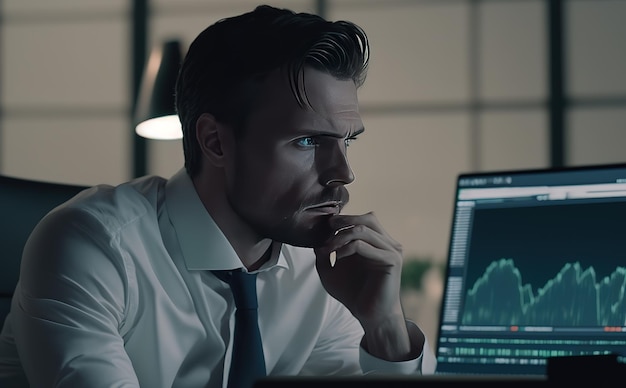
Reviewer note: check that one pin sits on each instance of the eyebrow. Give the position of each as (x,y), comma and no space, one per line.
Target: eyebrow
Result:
(357,132)
(315,132)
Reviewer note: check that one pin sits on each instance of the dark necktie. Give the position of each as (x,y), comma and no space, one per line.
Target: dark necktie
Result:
(247,363)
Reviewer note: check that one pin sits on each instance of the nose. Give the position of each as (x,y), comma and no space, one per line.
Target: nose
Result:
(336,169)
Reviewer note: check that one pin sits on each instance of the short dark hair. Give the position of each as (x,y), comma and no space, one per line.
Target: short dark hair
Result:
(229,58)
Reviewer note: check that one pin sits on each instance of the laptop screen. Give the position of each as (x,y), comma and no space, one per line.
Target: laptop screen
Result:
(536,269)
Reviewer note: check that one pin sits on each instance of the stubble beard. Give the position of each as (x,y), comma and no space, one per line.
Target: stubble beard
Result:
(292,231)
(294,227)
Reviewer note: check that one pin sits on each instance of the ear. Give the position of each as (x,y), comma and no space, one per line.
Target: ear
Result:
(213,139)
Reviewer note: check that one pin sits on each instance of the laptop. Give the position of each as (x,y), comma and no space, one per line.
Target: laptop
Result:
(536,270)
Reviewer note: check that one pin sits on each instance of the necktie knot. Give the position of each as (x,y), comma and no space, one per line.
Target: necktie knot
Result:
(243,286)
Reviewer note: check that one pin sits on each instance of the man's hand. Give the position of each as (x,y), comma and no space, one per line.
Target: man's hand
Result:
(361,266)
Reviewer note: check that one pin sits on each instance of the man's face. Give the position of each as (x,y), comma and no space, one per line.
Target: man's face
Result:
(290,167)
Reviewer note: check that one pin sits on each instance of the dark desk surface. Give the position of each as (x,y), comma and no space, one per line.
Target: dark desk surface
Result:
(403,381)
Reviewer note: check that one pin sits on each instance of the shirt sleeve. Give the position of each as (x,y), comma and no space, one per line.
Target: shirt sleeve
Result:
(336,352)
(70,304)
(425,363)
(339,353)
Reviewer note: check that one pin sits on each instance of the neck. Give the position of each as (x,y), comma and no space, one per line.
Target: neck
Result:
(262,260)
(252,250)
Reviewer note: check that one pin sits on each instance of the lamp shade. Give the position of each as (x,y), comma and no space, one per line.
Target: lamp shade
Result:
(155,114)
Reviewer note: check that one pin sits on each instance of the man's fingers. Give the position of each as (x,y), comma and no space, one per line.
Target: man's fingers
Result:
(343,228)
(333,258)
(333,253)
(368,219)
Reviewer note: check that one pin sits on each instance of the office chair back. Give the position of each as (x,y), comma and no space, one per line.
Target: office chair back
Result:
(23,203)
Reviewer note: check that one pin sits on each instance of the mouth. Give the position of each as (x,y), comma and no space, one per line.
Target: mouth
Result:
(329,207)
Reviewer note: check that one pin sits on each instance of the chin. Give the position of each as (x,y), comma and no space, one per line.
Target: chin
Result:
(310,237)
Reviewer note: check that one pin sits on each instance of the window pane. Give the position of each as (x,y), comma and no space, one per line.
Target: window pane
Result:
(74,65)
(83,150)
(512,48)
(514,140)
(185,21)
(418,50)
(597,135)
(596,47)
(241,5)
(22,7)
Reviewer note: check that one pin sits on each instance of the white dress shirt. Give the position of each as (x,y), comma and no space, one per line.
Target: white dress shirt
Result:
(116,290)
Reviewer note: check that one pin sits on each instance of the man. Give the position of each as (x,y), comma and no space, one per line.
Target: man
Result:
(119,286)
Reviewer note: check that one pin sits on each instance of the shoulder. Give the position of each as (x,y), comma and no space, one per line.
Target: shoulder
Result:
(97,217)
(112,206)
(82,235)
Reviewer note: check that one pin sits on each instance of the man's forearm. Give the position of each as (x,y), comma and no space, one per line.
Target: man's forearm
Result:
(391,340)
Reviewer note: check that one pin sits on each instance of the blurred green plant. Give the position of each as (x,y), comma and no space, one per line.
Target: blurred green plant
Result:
(414,269)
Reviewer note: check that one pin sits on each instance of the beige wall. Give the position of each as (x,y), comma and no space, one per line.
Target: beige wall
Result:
(65,98)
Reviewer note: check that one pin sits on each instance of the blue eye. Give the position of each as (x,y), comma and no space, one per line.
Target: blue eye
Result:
(306,142)
(349,140)
(318,141)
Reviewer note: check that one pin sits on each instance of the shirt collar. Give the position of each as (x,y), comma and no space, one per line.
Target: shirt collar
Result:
(202,243)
